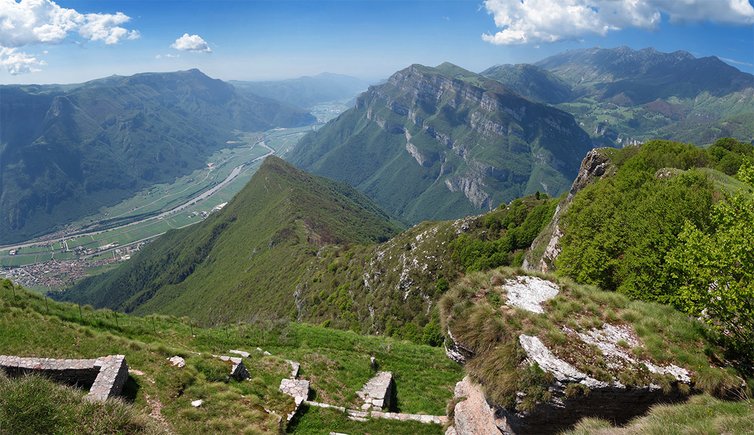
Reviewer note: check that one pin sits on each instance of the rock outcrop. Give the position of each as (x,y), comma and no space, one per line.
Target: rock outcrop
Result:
(592,372)
(546,247)
(529,292)
(466,142)
(472,415)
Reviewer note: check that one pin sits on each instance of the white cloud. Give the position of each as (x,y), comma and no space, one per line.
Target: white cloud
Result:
(28,22)
(17,62)
(191,43)
(106,27)
(525,21)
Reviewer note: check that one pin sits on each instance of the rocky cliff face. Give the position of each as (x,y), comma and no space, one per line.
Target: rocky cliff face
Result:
(460,142)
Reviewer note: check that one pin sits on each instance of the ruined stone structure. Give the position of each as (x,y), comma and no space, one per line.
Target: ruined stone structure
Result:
(299,390)
(378,392)
(104,377)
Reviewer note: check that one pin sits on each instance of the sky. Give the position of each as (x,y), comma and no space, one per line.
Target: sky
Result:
(71,41)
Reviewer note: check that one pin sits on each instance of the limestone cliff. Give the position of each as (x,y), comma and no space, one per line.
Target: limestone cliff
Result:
(440,143)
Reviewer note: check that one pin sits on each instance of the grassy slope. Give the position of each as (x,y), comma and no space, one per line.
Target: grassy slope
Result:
(336,362)
(244,261)
(35,405)
(393,288)
(701,415)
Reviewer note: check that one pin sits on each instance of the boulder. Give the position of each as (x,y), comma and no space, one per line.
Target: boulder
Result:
(177,361)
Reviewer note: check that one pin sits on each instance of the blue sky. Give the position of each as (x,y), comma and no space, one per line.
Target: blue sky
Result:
(251,40)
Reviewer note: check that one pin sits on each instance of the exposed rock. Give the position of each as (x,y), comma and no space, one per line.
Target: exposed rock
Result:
(528,292)
(240,353)
(378,392)
(611,401)
(563,372)
(457,351)
(595,165)
(472,414)
(608,339)
(177,361)
(197,403)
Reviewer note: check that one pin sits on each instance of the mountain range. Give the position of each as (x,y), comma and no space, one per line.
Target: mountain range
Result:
(622,95)
(67,151)
(443,142)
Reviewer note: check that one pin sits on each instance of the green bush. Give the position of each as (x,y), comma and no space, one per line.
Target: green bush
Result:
(618,231)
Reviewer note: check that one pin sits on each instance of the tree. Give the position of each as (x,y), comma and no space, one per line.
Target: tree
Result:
(715,273)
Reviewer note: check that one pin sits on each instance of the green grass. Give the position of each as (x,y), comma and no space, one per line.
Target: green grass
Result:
(245,261)
(35,405)
(337,363)
(318,421)
(701,415)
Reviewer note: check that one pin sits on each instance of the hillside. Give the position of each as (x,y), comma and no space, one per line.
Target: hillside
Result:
(158,396)
(67,151)
(665,222)
(393,288)
(243,262)
(291,245)
(440,143)
(621,96)
(306,91)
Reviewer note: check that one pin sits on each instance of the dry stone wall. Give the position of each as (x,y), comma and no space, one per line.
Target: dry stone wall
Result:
(104,377)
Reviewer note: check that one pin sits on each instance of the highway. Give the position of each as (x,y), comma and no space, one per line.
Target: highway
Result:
(202,196)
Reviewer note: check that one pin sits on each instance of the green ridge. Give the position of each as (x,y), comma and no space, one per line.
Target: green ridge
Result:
(244,261)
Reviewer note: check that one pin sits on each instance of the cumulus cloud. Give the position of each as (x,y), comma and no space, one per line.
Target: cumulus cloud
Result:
(17,62)
(525,21)
(29,22)
(191,43)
